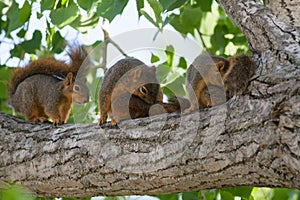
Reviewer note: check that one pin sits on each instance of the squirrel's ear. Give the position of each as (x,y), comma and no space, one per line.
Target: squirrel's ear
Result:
(220,65)
(69,79)
(136,73)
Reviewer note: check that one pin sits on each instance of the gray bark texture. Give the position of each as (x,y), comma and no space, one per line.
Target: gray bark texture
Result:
(250,140)
(286,10)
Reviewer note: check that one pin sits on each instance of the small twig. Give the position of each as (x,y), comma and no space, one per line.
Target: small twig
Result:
(106,41)
(202,40)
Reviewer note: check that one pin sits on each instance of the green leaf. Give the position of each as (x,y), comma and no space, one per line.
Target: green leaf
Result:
(17,17)
(85,4)
(188,20)
(30,46)
(204,5)
(169,5)
(65,15)
(149,18)
(24,12)
(21,33)
(2,5)
(239,40)
(218,40)
(15,193)
(190,196)
(83,24)
(243,192)
(280,193)
(177,86)
(167,196)
(139,6)
(17,51)
(162,71)
(110,8)
(155,19)
(209,194)
(4,80)
(47,5)
(58,43)
(182,63)
(226,195)
(172,76)
(154,58)
(157,9)
(170,54)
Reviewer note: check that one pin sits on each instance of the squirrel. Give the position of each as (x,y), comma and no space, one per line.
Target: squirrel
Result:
(46,87)
(128,89)
(137,108)
(212,80)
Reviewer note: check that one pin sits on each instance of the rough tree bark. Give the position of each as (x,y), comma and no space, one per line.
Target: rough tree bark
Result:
(250,140)
(286,10)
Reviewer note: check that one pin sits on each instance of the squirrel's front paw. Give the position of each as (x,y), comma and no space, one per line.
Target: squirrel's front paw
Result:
(102,120)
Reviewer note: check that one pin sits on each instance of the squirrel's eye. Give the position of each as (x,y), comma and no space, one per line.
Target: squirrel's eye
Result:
(76,88)
(143,90)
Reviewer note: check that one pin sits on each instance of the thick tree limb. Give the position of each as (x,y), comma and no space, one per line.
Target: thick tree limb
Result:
(250,140)
(243,142)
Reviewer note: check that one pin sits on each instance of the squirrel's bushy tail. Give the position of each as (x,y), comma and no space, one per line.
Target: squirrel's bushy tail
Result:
(78,56)
(47,66)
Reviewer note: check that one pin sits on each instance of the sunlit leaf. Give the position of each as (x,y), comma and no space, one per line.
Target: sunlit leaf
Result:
(170,54)
(243,192)
(30,46)
(218,40)
(226,195)
(58,43)
(4,80)
(154,58)
(149,18)
(85,4)
(157,9)
(110,8)
(64,15)
(204,5)
(17,17)
(21,33)
(182,63)
(188,20)
(167,197)
(47,4)
(83,24)
(162,71)
(177,86)
(169,5)
(190,196)
(139,6)
(15,193)
(2,5)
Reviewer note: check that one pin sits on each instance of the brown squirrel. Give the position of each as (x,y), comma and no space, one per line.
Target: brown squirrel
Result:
(212,80)
(128,89)
(45,88)
(138,108)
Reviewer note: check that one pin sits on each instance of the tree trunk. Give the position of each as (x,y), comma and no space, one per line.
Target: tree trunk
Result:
(250,140)
(286,10)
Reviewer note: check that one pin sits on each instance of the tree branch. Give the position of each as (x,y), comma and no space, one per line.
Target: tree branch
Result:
(105,43)
(220,147)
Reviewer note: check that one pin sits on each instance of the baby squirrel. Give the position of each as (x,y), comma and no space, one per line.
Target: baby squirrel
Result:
(129,88)
(137,108)
(212,80)
(45,88)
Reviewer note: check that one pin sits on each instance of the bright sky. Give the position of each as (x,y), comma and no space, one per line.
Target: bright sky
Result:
(133,35)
